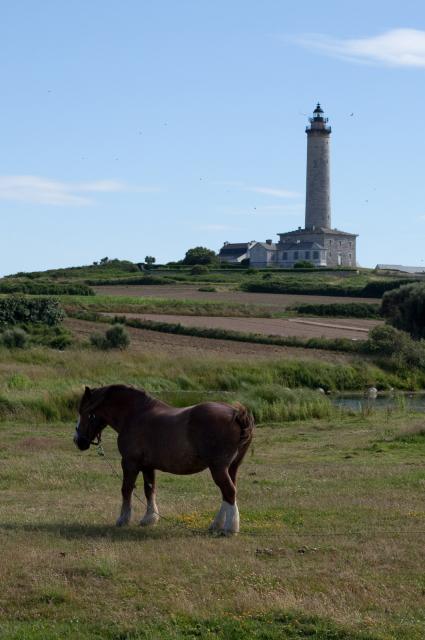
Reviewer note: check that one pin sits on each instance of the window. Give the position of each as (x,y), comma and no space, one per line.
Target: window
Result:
(315,255)
(295,255)
(307,255)
(340,243)
(285,255)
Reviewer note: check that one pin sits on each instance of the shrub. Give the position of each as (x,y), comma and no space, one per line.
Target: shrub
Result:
(404,308)
(303,264)
(15,338)
(385,340)
(18,309)
(401,350)
(98,340)
(198,270)
(115,338)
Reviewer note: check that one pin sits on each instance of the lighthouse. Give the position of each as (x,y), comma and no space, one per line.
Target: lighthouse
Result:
(318,243)
(318,188)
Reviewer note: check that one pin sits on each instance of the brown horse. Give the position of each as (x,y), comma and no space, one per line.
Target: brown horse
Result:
(153,435)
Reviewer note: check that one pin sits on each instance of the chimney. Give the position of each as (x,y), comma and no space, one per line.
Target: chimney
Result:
(268,241)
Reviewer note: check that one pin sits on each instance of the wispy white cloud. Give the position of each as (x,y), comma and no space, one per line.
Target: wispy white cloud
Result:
(395,48)
(268,191)
(38,190)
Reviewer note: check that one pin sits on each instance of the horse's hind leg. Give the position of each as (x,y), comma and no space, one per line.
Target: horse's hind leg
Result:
(227,518)
(130,473)
(233,469)
(151,516)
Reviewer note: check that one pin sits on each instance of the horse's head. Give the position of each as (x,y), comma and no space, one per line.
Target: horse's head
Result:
(91,422)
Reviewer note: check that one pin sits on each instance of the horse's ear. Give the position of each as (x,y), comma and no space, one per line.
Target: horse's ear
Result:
(87,392)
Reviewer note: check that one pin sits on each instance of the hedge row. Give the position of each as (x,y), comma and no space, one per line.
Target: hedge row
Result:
(137,280)
(374,289)
(340,310)
(17,309)
(32,287)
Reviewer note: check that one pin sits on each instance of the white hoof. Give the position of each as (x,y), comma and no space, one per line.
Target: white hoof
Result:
(149,519)
(231,525)
(218,523)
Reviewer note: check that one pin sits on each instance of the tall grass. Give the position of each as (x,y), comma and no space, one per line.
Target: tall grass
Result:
(45,385)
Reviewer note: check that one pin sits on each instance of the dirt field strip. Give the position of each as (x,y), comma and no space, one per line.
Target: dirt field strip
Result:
(332,326)
(178,346)
(267,326)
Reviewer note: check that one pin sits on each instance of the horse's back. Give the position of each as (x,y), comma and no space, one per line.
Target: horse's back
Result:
(185,440)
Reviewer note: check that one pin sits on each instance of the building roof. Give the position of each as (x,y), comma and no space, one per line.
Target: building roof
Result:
(304,245)
(319,231)
(235,248)
(271,246)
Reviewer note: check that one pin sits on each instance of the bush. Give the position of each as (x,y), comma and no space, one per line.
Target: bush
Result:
(199,270)
(404,309)
(303,264)
(15,338)
(17,309)
(115,338)
(397,346)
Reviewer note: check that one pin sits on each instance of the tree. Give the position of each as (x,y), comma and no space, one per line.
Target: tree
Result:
(404,308)
(199,255)
(150,260)
(104,260)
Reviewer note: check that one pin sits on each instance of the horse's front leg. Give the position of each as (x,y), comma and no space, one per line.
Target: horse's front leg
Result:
(130,473)
(151,516)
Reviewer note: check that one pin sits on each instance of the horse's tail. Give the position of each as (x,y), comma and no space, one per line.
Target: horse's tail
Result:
(245,420)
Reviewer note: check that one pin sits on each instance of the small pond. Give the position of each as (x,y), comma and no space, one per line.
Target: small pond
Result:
(398,400)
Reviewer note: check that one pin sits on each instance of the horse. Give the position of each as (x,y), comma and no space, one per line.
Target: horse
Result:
(153,435)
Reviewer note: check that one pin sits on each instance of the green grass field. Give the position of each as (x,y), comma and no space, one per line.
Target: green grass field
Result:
(331,543)
(332,502)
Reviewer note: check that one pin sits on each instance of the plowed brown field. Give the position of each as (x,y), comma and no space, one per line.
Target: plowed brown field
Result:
(298,327)
(178,346)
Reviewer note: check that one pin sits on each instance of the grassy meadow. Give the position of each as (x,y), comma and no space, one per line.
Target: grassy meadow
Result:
(332,521)
(331,500)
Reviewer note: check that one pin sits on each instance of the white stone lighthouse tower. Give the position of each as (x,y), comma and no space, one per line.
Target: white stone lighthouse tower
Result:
(318,194)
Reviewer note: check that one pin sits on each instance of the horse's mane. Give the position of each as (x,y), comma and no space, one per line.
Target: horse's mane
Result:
(102,393)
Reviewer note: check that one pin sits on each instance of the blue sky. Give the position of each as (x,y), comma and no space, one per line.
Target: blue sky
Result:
(147,127)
